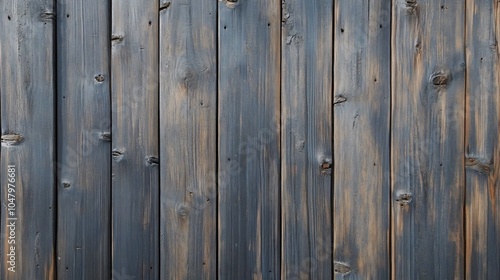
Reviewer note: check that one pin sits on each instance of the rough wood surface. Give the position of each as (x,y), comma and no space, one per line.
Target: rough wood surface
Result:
(188,136)
(83,146)
(27,88)
(135,147)
(249,149)
(482,160)
(427,153)
(361,139)
(306,79)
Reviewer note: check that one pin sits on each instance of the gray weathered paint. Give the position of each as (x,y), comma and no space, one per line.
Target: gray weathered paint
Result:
(427,148)
(27,88)
(83,146)
(482,149)
(306,150)
(249,149)
(188,136)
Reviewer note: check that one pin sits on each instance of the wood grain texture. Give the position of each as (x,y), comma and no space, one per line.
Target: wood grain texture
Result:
(135,142)
(84,154)
(428,97)
(306,92)
(482,161)
(249,149)
(27,88)
(188,136)
(361,139)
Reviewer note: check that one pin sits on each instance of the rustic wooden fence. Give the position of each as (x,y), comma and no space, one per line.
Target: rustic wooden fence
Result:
(250,139)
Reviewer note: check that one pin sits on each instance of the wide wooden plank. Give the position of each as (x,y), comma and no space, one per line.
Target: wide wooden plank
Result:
(188,137)
(83,135)
(27,88)
(482,140)
(361,139)
(427,154)
(249,150)
(306,79)
(135,147)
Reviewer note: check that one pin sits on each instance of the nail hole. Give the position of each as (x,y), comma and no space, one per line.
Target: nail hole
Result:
(9,17)
(342,30)
(67,16)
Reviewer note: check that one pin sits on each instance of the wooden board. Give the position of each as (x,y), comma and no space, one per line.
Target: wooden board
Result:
(361,139)
(482,140)
(135,147)
(306,94)
(249,149)
(188,135)
(27,88)
(83,141)
(427,154)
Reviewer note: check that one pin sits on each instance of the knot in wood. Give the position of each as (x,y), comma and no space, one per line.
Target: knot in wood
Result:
(12,139)
(440,78)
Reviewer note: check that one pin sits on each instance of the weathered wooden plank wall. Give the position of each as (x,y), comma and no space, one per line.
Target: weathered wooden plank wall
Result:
(482,138)
(428,97)
(135,142)
(83,146)
(27,89)
(188,134)
(249,142)
(361,139)
(253,139)
(306,150)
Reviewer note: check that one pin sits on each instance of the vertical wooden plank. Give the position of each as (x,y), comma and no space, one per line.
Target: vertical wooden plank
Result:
(306,82)
(188,135)
(135,148)
(482,140)
(428,139)
(361,139)
(249,149)
(27,91)
(84,154)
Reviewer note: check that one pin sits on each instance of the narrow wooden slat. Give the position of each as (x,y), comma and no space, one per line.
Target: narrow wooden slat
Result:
(27,88)
(84,154)
(361,139)
(135,147)
(188,106)
(306,79)
(249,150)
(482,161)
(427,154)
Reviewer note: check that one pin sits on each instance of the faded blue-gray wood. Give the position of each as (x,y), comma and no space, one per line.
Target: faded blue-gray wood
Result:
(188,137)
(135,142)
(306,151)
(361,139)
(427,153)
(249,149)
(27,88)
(482,160)
(83,140)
